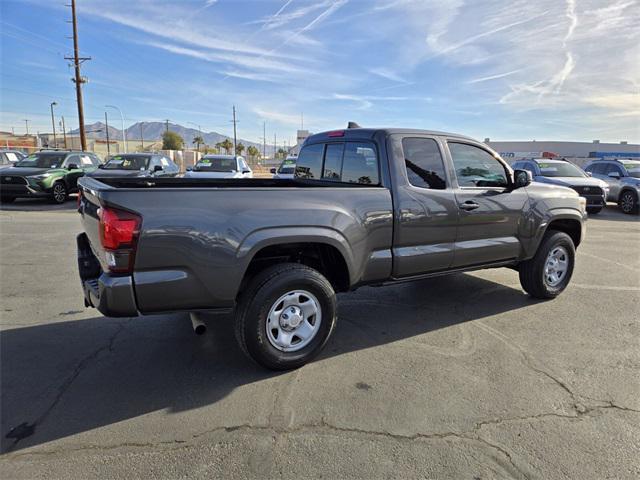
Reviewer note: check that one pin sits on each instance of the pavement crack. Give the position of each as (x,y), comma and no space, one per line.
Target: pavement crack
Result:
(62,389)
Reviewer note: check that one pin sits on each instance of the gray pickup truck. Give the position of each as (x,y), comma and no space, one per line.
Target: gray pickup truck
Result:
(366,207)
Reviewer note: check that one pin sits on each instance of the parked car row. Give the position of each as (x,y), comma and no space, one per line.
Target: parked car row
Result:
(54,174)
(601,181)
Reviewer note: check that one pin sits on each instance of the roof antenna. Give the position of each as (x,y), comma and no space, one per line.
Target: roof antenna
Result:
(353,125)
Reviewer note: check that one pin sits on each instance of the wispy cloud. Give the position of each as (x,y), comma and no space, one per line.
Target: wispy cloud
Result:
(494,77)
(387,74)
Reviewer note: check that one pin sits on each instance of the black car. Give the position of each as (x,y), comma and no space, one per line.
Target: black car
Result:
(137,165)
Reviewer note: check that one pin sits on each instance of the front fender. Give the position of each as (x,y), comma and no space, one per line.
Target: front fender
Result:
(550,216)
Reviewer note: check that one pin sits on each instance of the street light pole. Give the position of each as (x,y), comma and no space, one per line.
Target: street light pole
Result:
(106,123)
(64,133)
(124,133)
(53,124)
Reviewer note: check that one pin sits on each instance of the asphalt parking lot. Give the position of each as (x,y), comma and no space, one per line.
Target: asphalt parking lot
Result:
(461,377)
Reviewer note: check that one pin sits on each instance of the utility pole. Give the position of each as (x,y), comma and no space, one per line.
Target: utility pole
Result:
(106,122)
(275,147)
(78,80)
(166,123)
(301,120)
(26,124)
(235,139)
(141,136)
(53,124)
(64,132)
(264,140)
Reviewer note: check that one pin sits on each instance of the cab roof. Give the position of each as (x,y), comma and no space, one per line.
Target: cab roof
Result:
(370,133)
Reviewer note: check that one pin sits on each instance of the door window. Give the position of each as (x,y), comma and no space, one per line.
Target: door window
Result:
(423,162)
(75,159)
(476,167)
(85,161)
(612,167)
(333,162)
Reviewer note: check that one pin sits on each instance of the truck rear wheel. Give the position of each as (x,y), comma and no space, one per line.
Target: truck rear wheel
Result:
(548,273)
(285,316)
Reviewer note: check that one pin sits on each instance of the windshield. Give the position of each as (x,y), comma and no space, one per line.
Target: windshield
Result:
(633,168)
(43,160)
(287,166)
(559,169)
(216,164)
(127,162)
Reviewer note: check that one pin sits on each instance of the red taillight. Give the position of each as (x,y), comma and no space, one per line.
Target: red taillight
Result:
(336,133)
(118,228)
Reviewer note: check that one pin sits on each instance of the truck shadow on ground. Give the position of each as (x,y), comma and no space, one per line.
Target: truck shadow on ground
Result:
(69,377)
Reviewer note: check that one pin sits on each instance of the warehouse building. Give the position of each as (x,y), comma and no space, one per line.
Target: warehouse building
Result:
(577,152)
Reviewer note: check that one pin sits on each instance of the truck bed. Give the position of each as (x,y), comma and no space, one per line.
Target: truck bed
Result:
(198,236)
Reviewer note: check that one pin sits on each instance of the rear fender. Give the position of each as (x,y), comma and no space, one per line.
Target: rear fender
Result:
(260,239)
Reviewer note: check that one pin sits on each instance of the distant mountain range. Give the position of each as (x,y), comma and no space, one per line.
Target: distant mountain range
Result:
(152,132)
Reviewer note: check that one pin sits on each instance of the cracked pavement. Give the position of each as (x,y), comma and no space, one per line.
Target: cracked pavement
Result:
(455,377)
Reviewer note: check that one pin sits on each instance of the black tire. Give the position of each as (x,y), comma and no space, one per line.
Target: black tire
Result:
(628,202)
(59,193)
(7,199)
(532,274)
(261,294)
(594,210)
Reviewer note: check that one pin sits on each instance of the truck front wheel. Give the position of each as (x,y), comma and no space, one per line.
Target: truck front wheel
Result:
(548,273)
(285,316)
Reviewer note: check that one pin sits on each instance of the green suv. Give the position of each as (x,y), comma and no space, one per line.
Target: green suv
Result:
(50,174)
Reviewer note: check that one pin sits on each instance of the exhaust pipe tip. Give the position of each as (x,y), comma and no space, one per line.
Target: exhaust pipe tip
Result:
(199,327)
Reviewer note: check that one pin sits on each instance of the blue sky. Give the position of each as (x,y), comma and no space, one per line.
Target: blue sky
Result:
(509,70)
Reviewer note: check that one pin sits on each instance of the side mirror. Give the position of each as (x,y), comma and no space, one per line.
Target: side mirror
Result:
(614,174)
(273,171)
(522,178)
(189,169)
(246,171)
(101,166)
(72,166)
(157,168)
(589,174)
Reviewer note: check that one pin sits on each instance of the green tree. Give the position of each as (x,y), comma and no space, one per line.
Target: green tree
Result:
(239,148)
(227,145)
(281,153)
(198,140)
(253,152)
(172,141)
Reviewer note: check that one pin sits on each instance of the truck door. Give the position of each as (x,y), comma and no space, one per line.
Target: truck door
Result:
(425,206)
(490,212)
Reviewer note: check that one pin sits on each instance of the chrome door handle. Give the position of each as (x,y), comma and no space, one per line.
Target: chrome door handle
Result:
(469,205)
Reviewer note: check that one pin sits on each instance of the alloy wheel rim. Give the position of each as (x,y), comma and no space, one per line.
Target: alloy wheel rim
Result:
(293,321)
(58,193)
(556,266)
(627,202)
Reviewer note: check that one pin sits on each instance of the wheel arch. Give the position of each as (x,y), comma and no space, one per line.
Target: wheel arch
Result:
(323,249)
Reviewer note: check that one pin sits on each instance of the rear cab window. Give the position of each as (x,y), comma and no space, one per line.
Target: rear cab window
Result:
(344,162)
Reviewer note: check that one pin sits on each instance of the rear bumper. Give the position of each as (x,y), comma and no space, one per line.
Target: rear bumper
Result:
(113,296)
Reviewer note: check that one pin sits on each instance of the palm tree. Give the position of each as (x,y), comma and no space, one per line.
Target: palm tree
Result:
(226,145)
(198,140)
(239,148)
(253,152)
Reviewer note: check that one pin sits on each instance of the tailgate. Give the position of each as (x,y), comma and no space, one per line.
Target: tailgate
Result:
(89,204)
